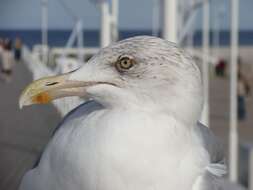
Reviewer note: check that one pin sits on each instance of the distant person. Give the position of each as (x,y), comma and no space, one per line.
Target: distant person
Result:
(18,50)
(1,51)
(7,60)
(220,68)
(246,81)
(243,89)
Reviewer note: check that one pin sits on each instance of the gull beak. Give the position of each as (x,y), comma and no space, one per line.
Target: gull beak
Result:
(45,90)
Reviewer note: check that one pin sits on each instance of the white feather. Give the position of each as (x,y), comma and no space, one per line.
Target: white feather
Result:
(145,136)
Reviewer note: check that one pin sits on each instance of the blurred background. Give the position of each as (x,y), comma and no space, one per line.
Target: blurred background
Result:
(46,37)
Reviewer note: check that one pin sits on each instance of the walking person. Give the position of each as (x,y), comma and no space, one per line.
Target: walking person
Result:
(18,50)
(7,61)
(1,52)
(243,89)
(220,68)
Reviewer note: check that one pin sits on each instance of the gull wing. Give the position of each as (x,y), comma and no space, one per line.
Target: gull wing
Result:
(211,179)
(80,111)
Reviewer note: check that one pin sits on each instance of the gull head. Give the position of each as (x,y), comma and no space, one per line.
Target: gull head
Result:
(142,72)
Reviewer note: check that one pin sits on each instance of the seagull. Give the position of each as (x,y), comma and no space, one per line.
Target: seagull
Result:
(139,130)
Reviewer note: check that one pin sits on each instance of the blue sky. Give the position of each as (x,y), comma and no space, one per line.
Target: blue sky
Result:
(133,14)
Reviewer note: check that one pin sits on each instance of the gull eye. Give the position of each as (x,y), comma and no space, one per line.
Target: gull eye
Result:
(124,63)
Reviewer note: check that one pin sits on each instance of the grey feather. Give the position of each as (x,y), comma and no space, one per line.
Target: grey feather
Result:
(211,180)
(212,143)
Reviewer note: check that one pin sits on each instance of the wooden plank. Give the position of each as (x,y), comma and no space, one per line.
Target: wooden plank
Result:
(23,133)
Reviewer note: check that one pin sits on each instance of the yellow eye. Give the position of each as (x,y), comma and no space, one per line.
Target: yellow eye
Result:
(124,64)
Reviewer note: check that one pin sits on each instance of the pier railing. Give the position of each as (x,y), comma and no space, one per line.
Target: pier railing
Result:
(246,165)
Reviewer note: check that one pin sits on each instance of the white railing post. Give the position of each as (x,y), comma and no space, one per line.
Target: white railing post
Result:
(219,13)
(44,29)
(105,31)
(170,20)
(155,17)
(114,20)
(233,136)
(205,58)
(250,178)
(79,29)
(190,37)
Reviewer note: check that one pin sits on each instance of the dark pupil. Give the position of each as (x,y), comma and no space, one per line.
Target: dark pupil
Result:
(125,62)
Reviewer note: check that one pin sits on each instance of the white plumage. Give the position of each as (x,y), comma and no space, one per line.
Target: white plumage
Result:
(141,130)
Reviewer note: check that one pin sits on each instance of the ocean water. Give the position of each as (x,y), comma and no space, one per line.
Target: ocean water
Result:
(91,37)
(60,37)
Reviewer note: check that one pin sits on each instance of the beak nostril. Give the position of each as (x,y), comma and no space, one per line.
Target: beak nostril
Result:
(51,83)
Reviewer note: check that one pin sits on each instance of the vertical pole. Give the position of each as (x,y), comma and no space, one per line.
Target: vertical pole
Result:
(190,39)
(250,179)
(218,17)
(80,40)
(191,29)
(155,17)
(44,28)
(233,136)
(105,32)
(180,16)
(218,34)
(114,24)
(170,20)
(215,31)
(205,64)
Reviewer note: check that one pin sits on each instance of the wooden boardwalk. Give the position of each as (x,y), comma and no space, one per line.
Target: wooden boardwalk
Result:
(24,133)
(219,107)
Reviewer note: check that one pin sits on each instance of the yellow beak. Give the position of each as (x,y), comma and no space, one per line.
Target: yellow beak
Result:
(45,90)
